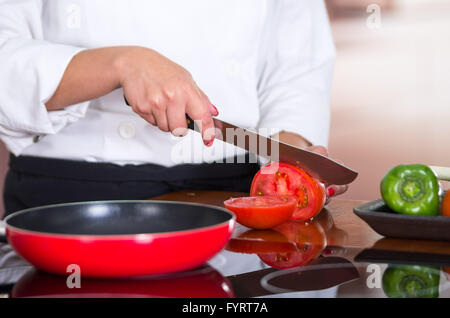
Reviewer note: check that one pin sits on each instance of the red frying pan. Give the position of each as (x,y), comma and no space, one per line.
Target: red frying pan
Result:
(119,238)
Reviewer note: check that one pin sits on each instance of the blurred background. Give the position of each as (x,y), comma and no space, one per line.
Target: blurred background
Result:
(391,92)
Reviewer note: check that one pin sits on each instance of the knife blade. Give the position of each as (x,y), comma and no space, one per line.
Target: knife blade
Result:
(316,165)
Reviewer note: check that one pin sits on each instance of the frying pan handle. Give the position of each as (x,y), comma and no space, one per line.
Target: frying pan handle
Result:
(190,123)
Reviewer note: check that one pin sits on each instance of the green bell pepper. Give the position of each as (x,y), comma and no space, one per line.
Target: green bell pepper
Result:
(406,281)
(412,190)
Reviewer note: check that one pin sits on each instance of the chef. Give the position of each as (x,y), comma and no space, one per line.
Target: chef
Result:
(66,65)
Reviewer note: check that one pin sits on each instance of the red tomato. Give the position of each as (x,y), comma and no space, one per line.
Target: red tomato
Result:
(262,212)
(445,205)
(309,238)
(286,180)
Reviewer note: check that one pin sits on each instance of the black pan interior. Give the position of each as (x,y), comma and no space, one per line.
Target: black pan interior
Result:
(118,218)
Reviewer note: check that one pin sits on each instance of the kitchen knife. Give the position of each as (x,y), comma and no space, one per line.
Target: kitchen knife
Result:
(316,165)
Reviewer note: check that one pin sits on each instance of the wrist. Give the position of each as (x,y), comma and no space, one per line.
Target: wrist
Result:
(292,139)
(122,62)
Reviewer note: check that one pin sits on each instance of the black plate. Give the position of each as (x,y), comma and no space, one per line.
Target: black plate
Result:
(402,258)
(390,224)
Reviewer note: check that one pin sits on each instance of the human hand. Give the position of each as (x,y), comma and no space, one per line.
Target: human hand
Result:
(162,92)
(331,190)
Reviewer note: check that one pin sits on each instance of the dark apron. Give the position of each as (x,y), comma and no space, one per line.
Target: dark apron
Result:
(34,181)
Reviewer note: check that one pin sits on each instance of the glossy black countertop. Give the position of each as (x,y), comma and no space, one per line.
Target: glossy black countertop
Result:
(333,272)
(334,256)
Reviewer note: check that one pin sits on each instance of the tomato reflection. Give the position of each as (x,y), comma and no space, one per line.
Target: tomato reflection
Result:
(291,244)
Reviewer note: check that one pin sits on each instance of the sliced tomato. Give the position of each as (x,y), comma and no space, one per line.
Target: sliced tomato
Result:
(288,180)
(262,212)
(310,240)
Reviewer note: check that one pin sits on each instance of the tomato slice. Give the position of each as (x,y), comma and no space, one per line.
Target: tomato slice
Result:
(288,180)
(262,212)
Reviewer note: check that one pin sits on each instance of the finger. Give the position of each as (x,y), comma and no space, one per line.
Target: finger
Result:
(213,109)
(126,100)
(150,119)
(142,111)
(161,120)
(176,119)
(335,190)
(199,112)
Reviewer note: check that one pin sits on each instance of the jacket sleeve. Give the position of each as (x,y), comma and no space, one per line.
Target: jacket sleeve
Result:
(296,70)
(31,69)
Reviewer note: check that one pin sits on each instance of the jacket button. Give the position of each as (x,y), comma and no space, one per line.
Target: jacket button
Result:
(127,130)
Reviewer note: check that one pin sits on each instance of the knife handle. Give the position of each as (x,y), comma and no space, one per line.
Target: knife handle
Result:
(190,123)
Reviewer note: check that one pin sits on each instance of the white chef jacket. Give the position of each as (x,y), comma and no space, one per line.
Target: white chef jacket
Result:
(265,64)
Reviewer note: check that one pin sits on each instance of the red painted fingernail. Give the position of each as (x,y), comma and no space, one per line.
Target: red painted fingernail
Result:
(215,111)
(209,143)
(331,192)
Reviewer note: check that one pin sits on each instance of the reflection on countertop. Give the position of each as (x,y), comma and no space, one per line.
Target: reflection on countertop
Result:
(294,260)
